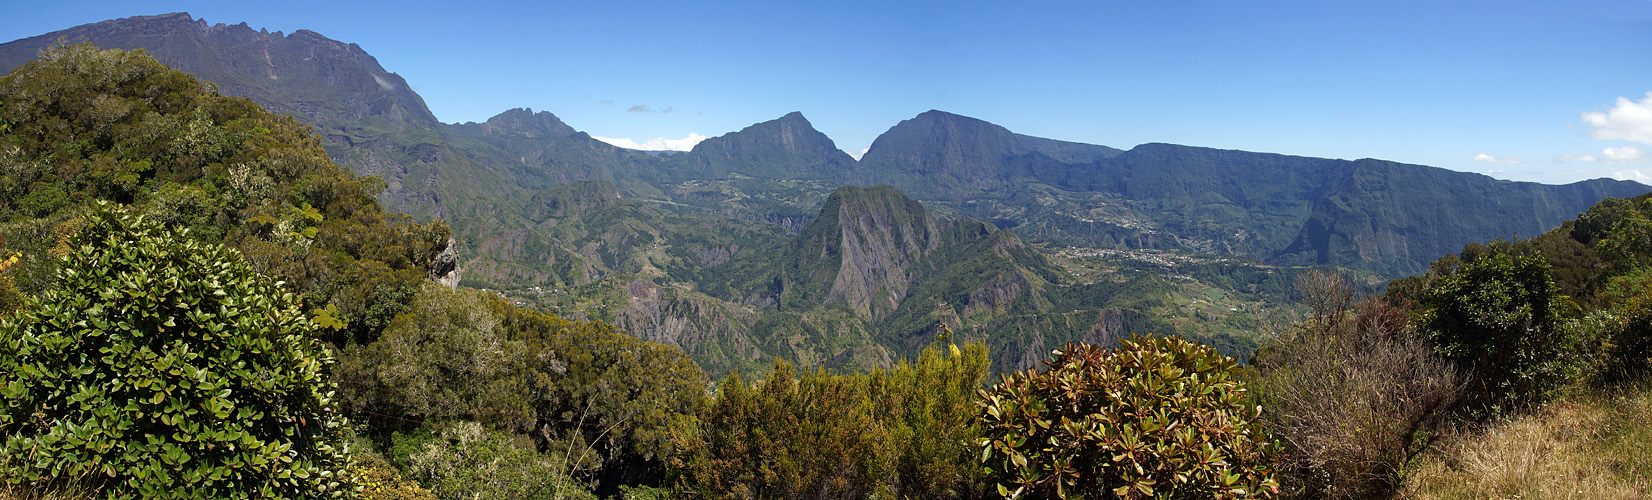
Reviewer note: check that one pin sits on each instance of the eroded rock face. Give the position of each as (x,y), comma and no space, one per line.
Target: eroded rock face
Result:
(882,241)
(860,252)
(304,74)
(713,332)
(446,268)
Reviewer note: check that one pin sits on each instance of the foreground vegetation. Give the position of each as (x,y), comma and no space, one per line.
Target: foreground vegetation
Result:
(1593,445)
(199,304)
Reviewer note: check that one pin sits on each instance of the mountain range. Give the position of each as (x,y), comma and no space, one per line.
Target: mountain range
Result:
(772,241)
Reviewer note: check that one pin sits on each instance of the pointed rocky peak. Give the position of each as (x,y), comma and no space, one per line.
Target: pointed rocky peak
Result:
(862,250)
(939,137)
(788,147)
(789,135)
(526,122)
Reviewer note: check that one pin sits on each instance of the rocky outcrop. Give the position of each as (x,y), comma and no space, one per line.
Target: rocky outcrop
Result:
(305,74)
(445,271)
(713,332)
(861,251)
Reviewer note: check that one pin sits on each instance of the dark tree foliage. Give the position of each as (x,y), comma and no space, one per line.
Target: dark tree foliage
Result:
(1521,318)
(81,124)
(583,390)
(1158,417)
(161,367)
(1493,314)
(595,388)
(899,433)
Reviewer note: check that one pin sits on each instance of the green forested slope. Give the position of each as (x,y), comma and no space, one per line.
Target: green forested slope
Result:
(189,262)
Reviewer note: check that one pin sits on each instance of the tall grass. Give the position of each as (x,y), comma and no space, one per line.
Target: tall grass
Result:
(1588,446)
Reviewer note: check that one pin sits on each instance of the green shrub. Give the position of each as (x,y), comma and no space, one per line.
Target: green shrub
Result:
(166,368)
(381,481)
(900,433)
(1158,417)
(466,461)
(581,389)
(1493,313)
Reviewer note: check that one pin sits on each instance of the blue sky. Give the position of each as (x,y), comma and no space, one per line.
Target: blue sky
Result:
(1551,91)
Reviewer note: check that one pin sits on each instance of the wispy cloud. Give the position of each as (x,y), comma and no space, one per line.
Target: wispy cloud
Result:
(858,156)
(1627,121)
(643,108)
(655,144)
(1625,154)
(605,102)
(1632,175)
(1482,157)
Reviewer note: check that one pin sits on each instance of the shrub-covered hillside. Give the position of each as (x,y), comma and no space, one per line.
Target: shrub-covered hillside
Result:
(195,297)
(196,303)
(82,124)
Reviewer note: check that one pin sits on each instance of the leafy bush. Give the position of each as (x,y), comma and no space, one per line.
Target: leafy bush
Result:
(1628,338)
(1354,395)
(167,368)
(10,298)
(900,433)
(1493,313)
(1158,417)
(379,480)
(581,389)
(468,462)
(83,124)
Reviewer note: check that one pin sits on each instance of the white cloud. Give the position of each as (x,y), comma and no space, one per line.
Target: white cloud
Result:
(1627,121)
(858,156)
(655,144)
(1632,175)
(1482,157)
(1626,154)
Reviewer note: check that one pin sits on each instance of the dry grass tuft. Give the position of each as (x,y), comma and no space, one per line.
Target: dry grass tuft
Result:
(1589,447)
(26,493)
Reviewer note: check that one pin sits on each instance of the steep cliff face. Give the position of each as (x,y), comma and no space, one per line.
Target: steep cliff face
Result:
(716,334)
(1378,214)
(943,155)
(860,252)
(303,74)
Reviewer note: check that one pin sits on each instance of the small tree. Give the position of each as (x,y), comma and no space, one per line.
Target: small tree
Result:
(1154,418)
(1352,393)
(1493,314)
(166,368)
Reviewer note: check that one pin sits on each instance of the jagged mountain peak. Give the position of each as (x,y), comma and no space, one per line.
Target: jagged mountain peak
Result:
(526,122)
